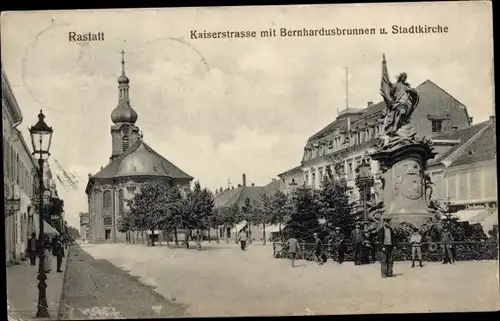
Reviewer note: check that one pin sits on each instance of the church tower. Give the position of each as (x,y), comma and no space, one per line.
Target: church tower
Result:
(124,133)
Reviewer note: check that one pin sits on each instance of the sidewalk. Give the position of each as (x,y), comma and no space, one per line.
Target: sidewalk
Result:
(22,290)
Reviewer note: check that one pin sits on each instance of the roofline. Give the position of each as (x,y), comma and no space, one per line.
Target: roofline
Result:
(12,105)
(295,169)
(456,100)
(448,161)
(363,110)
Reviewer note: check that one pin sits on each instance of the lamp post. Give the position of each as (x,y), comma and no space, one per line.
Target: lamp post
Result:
(41,138)
(364,177)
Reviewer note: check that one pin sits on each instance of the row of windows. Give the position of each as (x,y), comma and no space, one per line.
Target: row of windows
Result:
(340,142)
(16,170)
(357,138)
(107,200)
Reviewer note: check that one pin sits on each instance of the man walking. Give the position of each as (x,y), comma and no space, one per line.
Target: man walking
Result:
(387,240)
(416,247)
(446,239)
(318,249)
(357,238)
(32,248)
(293,247)
(58,252)
(242,237)
(339,243)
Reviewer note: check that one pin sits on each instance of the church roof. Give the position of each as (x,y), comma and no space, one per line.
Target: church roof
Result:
(140,160)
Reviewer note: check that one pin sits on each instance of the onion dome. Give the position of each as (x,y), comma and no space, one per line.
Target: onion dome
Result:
(123,113)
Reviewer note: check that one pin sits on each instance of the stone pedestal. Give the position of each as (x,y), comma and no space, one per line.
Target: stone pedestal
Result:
(403,169)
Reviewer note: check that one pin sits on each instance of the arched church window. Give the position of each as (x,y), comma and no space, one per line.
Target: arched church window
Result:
(125,143)
(121,200)
(106,199)
(108,221)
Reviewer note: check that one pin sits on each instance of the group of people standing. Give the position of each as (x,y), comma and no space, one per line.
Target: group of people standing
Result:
(364,246)
(54,246)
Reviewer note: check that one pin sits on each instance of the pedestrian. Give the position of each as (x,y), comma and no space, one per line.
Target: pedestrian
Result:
(367,246)
(416,247)
(293,247)
(58,252)
(446,239)
(32,248)
(357,238)
(242,238)
(387,240)
(318,249)
(47,263)
(339,241)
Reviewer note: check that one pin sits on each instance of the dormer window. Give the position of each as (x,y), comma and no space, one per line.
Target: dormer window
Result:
(437,125)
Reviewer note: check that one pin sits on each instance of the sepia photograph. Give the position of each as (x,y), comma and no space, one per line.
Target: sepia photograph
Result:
(250,161)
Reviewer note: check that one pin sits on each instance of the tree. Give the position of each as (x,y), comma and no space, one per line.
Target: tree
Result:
(335,206)
(174,210)
(73,232)
(125,222)
(148,208)
(278,209)
(250,214)
(230,216)
(303,221)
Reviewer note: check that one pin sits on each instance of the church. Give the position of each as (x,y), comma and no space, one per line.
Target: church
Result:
(132,164)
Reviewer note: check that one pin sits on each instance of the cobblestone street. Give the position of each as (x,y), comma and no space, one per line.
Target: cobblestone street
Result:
(221,280)
(95,289)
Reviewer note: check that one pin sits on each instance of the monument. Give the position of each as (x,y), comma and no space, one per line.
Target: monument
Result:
(402,156)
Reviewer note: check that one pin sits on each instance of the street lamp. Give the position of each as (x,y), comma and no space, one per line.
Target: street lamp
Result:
(364,178)
(41,138)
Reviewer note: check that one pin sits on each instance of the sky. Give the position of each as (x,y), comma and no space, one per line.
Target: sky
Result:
(218,108)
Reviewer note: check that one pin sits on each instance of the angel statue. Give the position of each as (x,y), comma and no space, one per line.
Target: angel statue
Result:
(400,100)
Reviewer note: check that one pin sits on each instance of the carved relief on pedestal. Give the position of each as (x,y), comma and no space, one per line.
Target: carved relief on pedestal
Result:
(397,185)
(411,186)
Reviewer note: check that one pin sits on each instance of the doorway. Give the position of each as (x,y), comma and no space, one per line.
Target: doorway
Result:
(107,234)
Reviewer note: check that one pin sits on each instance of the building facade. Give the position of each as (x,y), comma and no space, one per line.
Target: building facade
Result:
(464,175)
(84,226)
(351,136)
(225,199)
(132,164)
(20,177)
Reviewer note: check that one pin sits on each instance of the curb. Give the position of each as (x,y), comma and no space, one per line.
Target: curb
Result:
(60,308)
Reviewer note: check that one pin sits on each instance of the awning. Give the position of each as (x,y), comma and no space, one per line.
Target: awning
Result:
(274,228)
(239,226)
(49,229)
(488,221)
(480,217)
(468,215)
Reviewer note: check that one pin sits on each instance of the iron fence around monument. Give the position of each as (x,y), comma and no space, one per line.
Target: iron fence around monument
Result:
(431,251)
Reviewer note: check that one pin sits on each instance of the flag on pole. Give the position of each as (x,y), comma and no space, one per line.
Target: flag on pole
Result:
(385,84)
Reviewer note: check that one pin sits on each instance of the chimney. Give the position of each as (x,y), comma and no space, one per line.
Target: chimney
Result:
(253,184)
(244,180)
(370,104)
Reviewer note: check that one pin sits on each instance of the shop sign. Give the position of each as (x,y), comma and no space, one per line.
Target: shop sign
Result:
(479,206)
